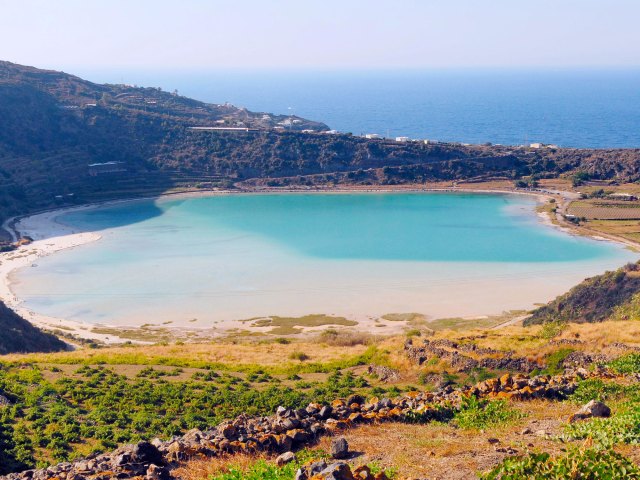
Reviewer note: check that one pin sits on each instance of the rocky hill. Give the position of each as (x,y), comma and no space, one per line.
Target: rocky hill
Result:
(612,295)
(54,128)
(19,336)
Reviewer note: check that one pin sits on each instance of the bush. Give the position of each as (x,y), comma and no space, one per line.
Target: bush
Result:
(483,414)
(297,355)
(552,329)
(590,464)
(623,427)
(629,363)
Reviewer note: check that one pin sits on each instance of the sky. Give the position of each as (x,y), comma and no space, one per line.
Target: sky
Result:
(319,34)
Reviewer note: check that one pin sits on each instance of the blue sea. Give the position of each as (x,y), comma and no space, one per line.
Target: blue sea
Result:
(571,108)
(199,261)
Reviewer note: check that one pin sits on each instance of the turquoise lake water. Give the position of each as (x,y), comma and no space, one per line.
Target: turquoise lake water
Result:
(232,257)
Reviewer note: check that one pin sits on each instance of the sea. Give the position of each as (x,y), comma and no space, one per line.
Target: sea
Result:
(203,261)
(596,108)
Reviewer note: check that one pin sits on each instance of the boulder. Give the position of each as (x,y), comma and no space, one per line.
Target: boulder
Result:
(591,409)
(339,448)
(285,458)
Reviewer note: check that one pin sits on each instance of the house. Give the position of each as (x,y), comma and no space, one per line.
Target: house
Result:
(331,132)
(627,197)
(96,169)
(536,145)
(402,139)
(372,136)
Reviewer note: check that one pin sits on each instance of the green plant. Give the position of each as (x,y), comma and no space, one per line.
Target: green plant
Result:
(623,427)
(589,464)
(483,414)
(597,389)
(629,363)
(554,361)
(552,329)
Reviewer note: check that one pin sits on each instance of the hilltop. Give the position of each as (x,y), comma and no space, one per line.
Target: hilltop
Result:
(54,128)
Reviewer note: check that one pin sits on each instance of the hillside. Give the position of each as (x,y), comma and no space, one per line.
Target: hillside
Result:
(19,336)
(53,126)
(612,295)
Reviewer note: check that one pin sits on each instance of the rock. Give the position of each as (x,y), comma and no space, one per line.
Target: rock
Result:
(4,401)
(493,441)
(526,431)
(154,472)
(339,448)
(285,458)
(591,409)
(337,471)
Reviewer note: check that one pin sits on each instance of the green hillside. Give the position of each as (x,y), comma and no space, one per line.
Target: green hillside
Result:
(612,295)
(53,126)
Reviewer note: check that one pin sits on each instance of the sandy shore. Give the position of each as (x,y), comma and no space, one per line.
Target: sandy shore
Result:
(50,236)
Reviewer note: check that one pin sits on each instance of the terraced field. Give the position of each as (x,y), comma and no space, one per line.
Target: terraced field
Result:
(605,210)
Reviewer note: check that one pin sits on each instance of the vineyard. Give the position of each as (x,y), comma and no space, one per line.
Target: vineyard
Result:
(605,210)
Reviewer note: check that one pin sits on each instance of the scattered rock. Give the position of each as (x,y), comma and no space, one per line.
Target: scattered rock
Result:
(493,441)
(340,448)
(591,409)
(285,458)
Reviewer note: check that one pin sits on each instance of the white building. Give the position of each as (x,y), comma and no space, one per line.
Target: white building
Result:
(331,132)
(402,139)
(372,135)
(536,145)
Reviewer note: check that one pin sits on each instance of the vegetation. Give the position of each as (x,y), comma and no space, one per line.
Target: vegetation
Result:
(484,414)
(595,300)
(587,464)
(95,408)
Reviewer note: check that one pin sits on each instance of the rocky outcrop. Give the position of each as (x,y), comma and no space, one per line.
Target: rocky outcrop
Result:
(290,429)
(450,352)
(384,374)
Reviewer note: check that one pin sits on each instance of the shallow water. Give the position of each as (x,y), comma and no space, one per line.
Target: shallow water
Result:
(233,257)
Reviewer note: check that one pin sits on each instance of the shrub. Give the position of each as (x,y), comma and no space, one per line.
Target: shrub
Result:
(297,355)
(629,363)
(552,329)
(596,389)
(623,427)
(589,464)
(483,414)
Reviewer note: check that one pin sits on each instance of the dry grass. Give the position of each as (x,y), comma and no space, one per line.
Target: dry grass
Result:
(267,353)
(203,468)
(442,451)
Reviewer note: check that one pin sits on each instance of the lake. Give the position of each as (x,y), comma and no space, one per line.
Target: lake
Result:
(198,261)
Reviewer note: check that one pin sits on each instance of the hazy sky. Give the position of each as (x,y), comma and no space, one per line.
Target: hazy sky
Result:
(64,34)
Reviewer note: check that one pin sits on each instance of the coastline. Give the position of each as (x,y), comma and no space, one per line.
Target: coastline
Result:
(51,236)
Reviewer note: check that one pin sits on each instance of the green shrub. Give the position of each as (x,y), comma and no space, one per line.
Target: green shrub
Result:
(629,363)
(597,389)
(483,414)
(623,427)
(552,329)
(590,464)
(554,361)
